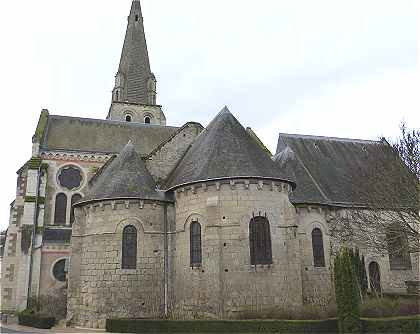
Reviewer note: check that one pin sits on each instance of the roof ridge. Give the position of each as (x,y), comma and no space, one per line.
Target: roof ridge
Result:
(355,140)
(172,137)
(133,124)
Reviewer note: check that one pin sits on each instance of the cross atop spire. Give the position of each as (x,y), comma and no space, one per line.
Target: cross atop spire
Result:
(134,82)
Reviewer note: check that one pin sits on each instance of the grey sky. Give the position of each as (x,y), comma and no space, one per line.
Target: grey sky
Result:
(326,67)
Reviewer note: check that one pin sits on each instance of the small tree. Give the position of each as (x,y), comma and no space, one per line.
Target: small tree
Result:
(347,293)
(359,269)
(385,191)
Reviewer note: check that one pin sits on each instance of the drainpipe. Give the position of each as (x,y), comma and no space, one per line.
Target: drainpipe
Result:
(35,223)
(165,258)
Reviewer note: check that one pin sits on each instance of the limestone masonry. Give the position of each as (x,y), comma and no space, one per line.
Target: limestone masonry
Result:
(139,219)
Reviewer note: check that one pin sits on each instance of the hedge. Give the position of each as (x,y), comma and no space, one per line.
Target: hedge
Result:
(35,320)
(391,325)
(222,326)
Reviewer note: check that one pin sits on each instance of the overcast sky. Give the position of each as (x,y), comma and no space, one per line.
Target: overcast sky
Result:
(326,67)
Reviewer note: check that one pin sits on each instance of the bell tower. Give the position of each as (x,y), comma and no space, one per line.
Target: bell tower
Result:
(134,93)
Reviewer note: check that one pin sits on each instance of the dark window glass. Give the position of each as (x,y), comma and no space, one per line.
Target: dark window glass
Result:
(128,118)
(70,177)
(74,199)
(375,278)
(147,120)
(60,212)
(195,244)
(318,248)
(129,248)
(57,236)
(260,241)
(59,270)
(399,257)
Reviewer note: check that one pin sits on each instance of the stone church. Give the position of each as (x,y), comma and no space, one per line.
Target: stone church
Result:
(137,218)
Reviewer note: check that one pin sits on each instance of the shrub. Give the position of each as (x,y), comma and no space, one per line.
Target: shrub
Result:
(31,319)
(389,307)
(346,293)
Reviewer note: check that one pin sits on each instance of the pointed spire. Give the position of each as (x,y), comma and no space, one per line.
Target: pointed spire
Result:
(134,82)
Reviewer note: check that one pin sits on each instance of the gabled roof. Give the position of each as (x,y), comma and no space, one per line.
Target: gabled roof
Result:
(124,177)
(104,136)
(225,150)
(329,170)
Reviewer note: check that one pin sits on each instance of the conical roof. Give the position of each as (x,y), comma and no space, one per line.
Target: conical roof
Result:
(124,177)
(225,150)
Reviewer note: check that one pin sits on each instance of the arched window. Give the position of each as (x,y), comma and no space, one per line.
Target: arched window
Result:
(195,244)
(128,118)
(147,120)
(129,247)
(318,248)
(60,213)
(260,241)
(74,199)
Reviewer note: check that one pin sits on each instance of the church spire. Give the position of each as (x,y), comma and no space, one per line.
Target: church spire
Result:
(134,82)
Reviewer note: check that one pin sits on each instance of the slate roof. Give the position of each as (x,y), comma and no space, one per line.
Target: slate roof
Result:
(134,62)
(124,177)
(328,170)
(104,136)
(225,150)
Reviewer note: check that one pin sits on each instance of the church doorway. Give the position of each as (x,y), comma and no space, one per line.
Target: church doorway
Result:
(375,278)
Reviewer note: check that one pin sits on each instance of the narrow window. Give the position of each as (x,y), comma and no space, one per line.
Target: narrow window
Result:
(147,120)
(136,18)
(128,118)
(318,248)
(74,199)
(195,244)
(116,95)
(375,278)
(260,241)
(60,212)
(129,248)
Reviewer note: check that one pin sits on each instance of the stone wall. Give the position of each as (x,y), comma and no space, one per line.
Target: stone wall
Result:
(138,112)
(98,287)
(226,283)
(317,285)
(166,157)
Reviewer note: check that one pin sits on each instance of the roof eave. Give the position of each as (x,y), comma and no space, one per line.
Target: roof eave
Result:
(125,198)
(172,188)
